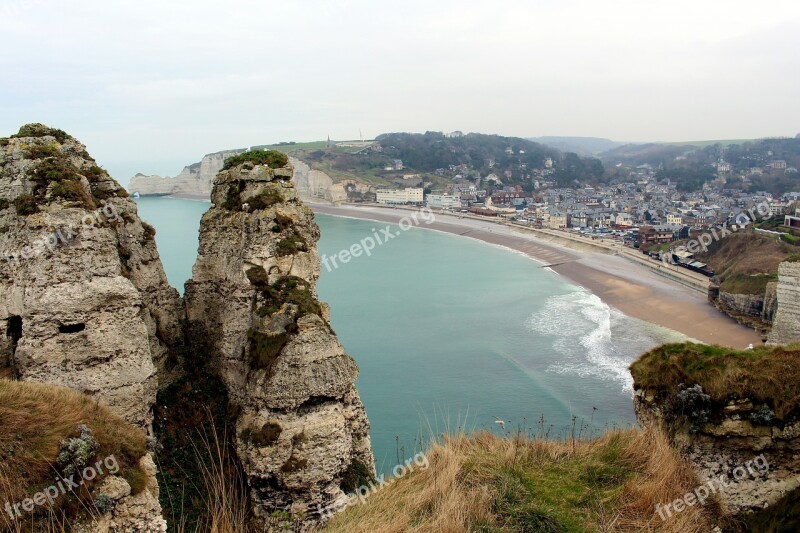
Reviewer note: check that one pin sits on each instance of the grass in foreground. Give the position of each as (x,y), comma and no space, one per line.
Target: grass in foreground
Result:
(34,420)
(489,484)
(767,374)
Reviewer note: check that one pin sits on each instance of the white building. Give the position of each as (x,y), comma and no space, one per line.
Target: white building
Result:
(443,201)
(411,195)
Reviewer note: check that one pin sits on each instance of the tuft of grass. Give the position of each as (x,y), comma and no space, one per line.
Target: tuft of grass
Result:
(25,205)
(766,375)
(271,158)
(37,419)
(491,484)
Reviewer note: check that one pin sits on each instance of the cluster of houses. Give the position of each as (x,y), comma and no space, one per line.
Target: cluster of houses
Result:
(657,212)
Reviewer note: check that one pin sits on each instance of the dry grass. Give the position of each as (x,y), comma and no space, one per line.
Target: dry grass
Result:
(766,374)
(486,483)
(738,257)
(35,420)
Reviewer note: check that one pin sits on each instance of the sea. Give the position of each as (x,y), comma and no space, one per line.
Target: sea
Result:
(456,335)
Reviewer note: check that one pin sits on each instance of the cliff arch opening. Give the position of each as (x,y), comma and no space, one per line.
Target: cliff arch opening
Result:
(14,334)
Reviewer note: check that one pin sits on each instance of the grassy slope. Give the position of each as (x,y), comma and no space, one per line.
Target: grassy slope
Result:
(746,262)
(766,374)
(329,165)
(489,484)
(36,419)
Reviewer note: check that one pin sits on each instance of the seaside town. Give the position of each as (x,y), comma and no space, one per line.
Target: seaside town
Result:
(641,212)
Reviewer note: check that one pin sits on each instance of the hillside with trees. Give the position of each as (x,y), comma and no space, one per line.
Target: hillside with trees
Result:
(760,165)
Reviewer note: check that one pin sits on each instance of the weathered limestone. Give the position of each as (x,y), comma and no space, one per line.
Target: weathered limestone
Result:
(83,295)
(786,324)
(301,423)
(137,513)
(732,438)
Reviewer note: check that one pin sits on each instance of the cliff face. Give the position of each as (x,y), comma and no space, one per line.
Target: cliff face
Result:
(786,324)
(193,179)
(316,185)
(301,425)
(737,436)
(84,300)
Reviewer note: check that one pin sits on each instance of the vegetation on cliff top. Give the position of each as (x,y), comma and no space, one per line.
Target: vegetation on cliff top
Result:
(36,422)
(490,484)
(767,375)
(271,158)
(745,262)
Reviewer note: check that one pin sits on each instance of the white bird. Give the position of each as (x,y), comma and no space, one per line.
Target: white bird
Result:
(501,423)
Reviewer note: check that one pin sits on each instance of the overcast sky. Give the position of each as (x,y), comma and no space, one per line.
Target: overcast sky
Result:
(150,87)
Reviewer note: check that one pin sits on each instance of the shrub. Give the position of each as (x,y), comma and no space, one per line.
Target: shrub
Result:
(54,169)
(356,475)
(73,191)
(26,205)
(149,231)
(76,452)
(40,130)
(264,199)
(291,244)
(94,173)
(41,151)
(291,290)
(271,158)
(791,239)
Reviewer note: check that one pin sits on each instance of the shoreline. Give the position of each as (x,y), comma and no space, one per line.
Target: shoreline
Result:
(621,283)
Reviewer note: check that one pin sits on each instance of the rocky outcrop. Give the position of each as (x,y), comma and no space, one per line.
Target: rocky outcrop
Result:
(125,512)
(301,425)
(84,300)
(786,325)
(750,459)
(195,179)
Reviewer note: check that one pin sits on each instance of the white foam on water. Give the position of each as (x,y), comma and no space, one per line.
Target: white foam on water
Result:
(593,339)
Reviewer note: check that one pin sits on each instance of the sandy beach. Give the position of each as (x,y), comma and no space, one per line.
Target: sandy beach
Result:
(619,282)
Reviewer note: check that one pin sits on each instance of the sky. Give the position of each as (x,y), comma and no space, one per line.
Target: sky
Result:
(151,86)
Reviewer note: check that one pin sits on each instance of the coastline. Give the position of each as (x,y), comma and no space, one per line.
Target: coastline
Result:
(621,283)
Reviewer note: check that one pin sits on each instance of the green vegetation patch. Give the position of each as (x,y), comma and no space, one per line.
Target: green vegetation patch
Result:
(356,475)
(289,289)
(264,199)
(766,375)
(40,130)
(25,205)
(265,348)
(291,244)
(747,284)
(271,158)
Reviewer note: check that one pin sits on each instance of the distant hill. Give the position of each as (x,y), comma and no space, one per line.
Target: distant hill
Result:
(579,145)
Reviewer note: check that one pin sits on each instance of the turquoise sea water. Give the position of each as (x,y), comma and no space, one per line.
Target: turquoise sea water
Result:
(451,333)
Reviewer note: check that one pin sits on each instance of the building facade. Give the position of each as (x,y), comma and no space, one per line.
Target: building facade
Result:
(411,195)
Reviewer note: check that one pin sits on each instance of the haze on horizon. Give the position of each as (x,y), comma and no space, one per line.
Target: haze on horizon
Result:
(150,86)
